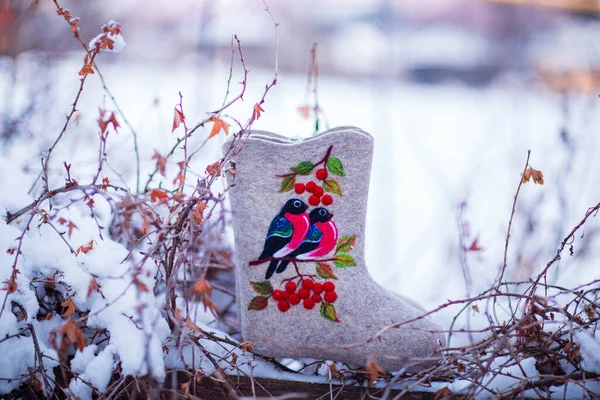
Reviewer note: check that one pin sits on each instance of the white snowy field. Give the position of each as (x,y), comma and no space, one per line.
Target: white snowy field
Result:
(436,147)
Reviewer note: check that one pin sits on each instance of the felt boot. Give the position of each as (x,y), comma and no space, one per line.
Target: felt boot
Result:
(304,291)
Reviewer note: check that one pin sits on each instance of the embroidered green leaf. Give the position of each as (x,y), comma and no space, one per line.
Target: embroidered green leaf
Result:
(325,271)
(328,312)
(263,287)
(343,260)
(331,185)
(334,165)
(258,303)
(303,168)
(345,244)
(287,183)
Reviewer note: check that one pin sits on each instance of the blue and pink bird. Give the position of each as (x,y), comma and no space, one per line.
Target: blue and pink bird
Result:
(295,234)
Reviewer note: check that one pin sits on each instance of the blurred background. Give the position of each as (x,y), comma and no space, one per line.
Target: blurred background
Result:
(454,92)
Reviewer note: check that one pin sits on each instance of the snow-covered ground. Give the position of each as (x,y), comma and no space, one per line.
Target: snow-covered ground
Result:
(436,147)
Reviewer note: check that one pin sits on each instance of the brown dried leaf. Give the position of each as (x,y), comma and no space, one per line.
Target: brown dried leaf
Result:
(374,371)
(92,287)
(185,388)
(537,176)
(193,327)
(202,287)
(70,307)
(161,163)
(213,169)
(198,214)
(35,383)
(74,334)
(178,119)
(443,393)
(142,287)
(86,69)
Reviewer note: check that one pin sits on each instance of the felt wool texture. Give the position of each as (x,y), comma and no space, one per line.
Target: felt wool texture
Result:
(303,287)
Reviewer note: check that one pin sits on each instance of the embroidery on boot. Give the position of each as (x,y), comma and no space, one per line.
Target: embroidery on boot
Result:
(295,237)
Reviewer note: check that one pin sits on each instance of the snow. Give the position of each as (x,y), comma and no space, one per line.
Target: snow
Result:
(590,351)
(118,42)
(98,371)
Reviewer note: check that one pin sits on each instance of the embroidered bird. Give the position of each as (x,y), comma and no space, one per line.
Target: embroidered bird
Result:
(320,239)
(286,232)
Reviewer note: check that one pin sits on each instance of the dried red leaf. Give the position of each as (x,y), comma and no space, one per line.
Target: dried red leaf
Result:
(474,246)
(218,126)
(70,228)
(179,179)
(86,248)
(92,287)
(86,69)
(304,111)
(113,120)
(213,169)
(158,195)
(178,119)
(256,112)
(538,176)
(161,163)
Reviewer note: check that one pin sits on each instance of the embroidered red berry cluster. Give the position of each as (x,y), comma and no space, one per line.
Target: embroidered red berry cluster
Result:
(317,191)
(294,294)
(307,292)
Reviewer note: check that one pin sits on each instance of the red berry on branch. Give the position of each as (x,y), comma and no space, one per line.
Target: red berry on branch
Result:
(299,188)
(328,286)
(290,287)
(321,173)
(317,288)
(277,295)
(311,186)
(308,304)
(318,191)
(285,296)
(307,283)
(313,200)
(303,293)
(283,306)
(330,297)
(294,299)
(316,298)
(326,200)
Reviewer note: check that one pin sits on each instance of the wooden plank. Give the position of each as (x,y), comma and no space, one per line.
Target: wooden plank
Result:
(266,388)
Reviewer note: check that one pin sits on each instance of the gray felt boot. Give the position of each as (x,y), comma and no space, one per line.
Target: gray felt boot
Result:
(298,210)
